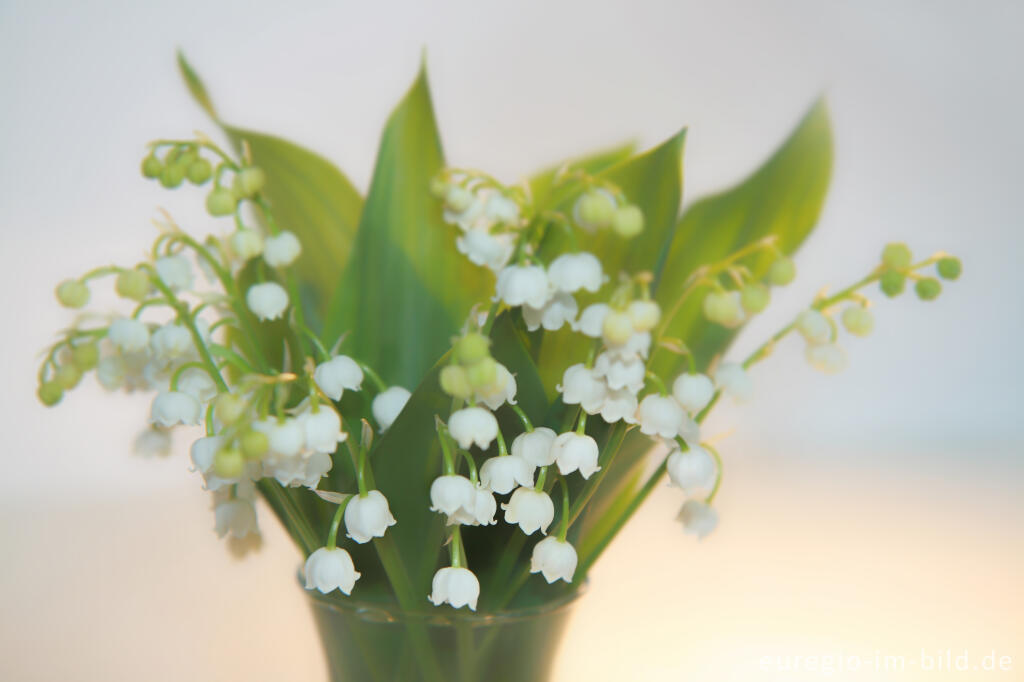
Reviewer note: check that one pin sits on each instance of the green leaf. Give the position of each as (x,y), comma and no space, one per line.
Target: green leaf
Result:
(406,290)
(308,195)
(541,184)
(783,197)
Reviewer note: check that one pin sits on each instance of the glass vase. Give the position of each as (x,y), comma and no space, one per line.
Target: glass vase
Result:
(369,642)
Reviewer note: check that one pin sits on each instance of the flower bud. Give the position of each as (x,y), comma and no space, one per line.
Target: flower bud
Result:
(595,209)
(229,408)
(814,326)
(782,272)
(133,284)
(221,201)
(693,391)
(72,293)
(928,288)
(281,250)
(892,283)
(458,198)
(267,300)
(254,444)
(228,463)
(858,320)
(455,382)
(199,171)
(152,167)
(628,221)
(828,358)
(724,308)
(617,327)
(85,356)
(246,244)
(67,376)
(249,181)
(50,393)
(949,267)
(896,256)
(388,404)
(128,334)
(471,348)
(755,297)
(645,315)
(172,175)
(482,374)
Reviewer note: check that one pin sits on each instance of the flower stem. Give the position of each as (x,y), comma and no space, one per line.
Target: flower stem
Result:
(332,535)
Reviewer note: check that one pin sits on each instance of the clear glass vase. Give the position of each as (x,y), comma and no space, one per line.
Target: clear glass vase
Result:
(368,642)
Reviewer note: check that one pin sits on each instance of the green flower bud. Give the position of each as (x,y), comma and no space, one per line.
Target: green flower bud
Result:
(254,444)
(85,356)
(949,268)
(68,376)
(133,284)
(723,308)
(595,209)
(152,167)
(229,408)
(171,156)
(72,293)
(896,256)
(249,181)
(482,374)
(928,288)
(471,348)
(782,272)
(199,171)
(221,201)
(628,221)
(858,320)
(455,382)
(228,463)
(187,157)
(755,297)
(617,328)
(50,393)
(892,283)
(172,176)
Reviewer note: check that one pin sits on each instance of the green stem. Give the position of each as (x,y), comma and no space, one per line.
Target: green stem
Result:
(332,535)
(718,473)
(378,383)
(527,424)
(563,523)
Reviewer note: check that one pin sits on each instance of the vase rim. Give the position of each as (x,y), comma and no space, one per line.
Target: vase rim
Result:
(392,613)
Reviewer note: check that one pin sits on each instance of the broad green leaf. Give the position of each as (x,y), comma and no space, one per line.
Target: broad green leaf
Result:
(783,197)
(541,184)
(308,195)
(406,290)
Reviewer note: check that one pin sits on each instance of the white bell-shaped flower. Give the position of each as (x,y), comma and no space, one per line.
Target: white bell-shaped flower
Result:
(503,474)
(534,447)
(174,271)
(660,415)
(591,322)
(644,314)
(560,309)
(197,383)
(246,244)
(697,518)
(732,378)
(492,251)
(170,342)
(638,345)
(581,386)
(814,326)
(576,452)
(481,513)
(267,300)
(693,470)
(501,210)
(174,407)
(388,404)
(829,358)
(368,517)
(331,569)
(619,405)
(554,559)
(693,391)
(322,429)
(318,465)
(337,375)
(571,272)
(455,586)
(286,438)
(523,285)
(619,372)
(463,208)
(473,425)
(281,250)
(501,391)
(236,517)
(153,442)
(203,452)
(450,493)
(532,509)
(128,334)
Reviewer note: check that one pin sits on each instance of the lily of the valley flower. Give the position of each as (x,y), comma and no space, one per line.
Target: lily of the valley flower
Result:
(246,244)
(267,300)
(620,373)
(554,559)
(535,446)
(281,249)
(576,452)
(286,438)
(480,513)
(571,272)
(532,509)
(581,386)
(197,383)
(644,314)
(814,327)
(170,341)
(368,517)
(322,429)
(128,334)
(732,378)
(174,407)
(502,390)
(693,470)
(504,473)
(660,415)
(693,391)
(492,251)
(523,285)
(236,517)
(473,425)
(388,404)
(619,405)
(697,518)
(456,586)
(560,309)
(591,322)
(829,358)
(331,569)
(174,271)
(337,375)
(450,493)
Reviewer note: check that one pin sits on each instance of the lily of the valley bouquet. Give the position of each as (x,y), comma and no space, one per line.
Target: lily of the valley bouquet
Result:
(455,391)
